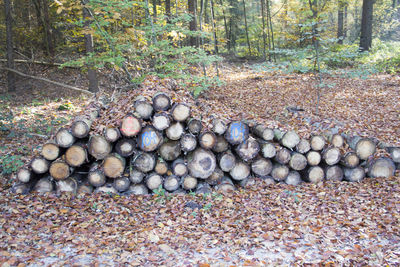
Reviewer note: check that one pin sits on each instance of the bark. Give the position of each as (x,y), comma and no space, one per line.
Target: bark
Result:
(9,45)
(366,25)
(215,177)
(192,5)
(92,75)
(246,27)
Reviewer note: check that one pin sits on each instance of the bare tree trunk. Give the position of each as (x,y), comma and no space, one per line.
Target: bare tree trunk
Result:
(192,4)
(340,28)
(214,28)
(92,75)
(9,45)
(225,25)
(168,10)
(345,22)
(47,29)
(155,10)
(246,27)
(271,26)
(366,25)
(263,28)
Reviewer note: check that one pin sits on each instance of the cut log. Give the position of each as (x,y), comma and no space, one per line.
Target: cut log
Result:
(106,189)
(138,189)
(268,180)
(303,146)
(352,141)
(337,140)
(50,151)
(317,142)
(130,126)
(248,150)
(203,188)
(365,148)
(96,176)
(263,132)
(161,167)
(143,109)
(149,139)
(278,135)
(39,165)
(113,165)
(171,183)
(125,147)
(98,147)
(268,150)
(180,112)
(227,161)
(201,163)
(237,132)
(69,185)
(189,182)
(207,140)
(221,145)
(279,172)
(215,177)
(381,167)
(135,175)
(153,181)
(350,160)
(188,142)
(170,150)
(298,162)
(111,134)
(121,184)
(261,167)
(290,139)
(293,178)
(194,126)
(219,126)
(248,182)
(240,171)
(354,174)
(331,155)
(22,188)
(24,175)
(64,138)
(283,156)
(394,153)
(226,185)
(179,167)
(44,185)
(84,188)
(76,155)
(313,158)
(334,173)
(161,102)
(60,170)
(80,128)
(161,121)
(175,131)
(144,162)
(315,174)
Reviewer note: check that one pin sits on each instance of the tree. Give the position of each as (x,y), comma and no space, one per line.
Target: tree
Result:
(92,75)
(340,29)
(366,25)
(246,27)
(192,5)
(9,45)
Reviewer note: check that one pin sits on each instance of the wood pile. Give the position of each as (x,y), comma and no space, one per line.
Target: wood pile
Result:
(159,145)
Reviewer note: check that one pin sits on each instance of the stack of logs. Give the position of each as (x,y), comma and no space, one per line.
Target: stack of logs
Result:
(159,145)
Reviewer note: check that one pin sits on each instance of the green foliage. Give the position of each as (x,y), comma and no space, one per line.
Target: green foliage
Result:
(10,163)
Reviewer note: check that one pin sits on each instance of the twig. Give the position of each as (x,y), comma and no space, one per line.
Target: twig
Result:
(48,81)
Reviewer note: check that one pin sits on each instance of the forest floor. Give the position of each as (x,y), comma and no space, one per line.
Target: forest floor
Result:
(333,223)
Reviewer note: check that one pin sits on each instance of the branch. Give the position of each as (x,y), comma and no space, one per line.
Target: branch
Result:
(37,62)
(48,81)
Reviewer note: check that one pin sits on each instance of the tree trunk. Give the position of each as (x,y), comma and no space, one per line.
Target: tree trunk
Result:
(214,29)
(263,28)
(168,10)
(154,10)
(248,150)
(92,75)
(9,45)
(246,27)
(48,32)
(340,28)
(192,5)
(366,25)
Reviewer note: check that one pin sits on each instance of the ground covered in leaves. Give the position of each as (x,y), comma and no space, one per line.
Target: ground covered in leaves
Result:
(350,223)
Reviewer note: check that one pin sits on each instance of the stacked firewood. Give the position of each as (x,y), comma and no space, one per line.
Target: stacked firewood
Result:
(159,145)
